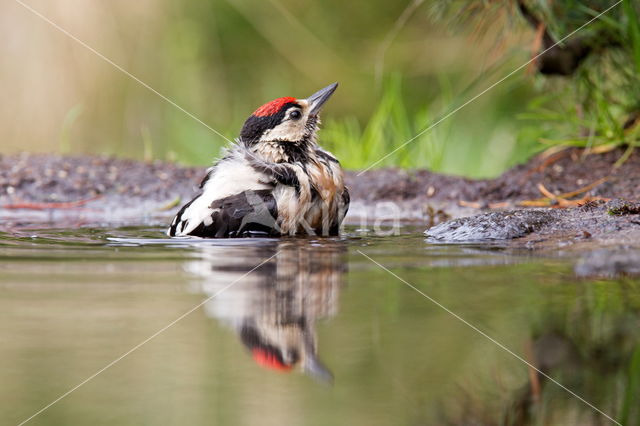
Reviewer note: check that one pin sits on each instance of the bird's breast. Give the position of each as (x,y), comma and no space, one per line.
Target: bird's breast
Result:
(313,205)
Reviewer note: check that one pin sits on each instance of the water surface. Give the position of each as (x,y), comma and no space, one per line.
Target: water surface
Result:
(307,332)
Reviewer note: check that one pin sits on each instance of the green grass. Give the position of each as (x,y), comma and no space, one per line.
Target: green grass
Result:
(477,141)
(390,127)
(590,109)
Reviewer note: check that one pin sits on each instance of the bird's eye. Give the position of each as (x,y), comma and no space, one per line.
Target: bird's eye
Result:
(295,114)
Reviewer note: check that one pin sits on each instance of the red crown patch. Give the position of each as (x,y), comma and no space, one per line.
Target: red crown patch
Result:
(268,360)
(273,107)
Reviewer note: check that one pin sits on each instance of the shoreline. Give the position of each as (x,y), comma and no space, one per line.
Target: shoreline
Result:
(88,189)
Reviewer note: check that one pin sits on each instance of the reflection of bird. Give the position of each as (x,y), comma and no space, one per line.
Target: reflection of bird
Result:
(274,180)
(274,309)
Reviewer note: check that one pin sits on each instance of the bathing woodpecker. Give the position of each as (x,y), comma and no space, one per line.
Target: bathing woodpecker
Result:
(274,180)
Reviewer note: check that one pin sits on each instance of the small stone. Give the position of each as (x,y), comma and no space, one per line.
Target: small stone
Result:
(491,226)
(430,191)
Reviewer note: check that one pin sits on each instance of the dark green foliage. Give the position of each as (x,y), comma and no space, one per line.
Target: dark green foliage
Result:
(597,102)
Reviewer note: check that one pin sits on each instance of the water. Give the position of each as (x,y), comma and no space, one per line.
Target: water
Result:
(307,332)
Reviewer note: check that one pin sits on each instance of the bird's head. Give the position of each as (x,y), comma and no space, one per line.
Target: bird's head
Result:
(282,347)
(286,119)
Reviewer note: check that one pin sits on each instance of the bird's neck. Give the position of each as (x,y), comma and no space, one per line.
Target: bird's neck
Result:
(285,152)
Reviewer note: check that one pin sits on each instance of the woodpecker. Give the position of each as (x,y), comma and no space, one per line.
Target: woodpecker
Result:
(274,180)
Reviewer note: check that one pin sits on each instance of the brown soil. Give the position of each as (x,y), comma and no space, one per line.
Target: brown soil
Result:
(568,171)
(548,228)
(53,178)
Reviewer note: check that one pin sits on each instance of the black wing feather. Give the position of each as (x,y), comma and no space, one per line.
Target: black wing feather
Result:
(178,221)
(334,230)
(247,214)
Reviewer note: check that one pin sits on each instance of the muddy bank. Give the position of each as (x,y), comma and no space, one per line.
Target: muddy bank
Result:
(611,223)
(605,235)
(91,189)
(109,190)
(561,173)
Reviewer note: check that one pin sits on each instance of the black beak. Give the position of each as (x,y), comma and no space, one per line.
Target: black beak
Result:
(311,364)
(319,98)
(317,370)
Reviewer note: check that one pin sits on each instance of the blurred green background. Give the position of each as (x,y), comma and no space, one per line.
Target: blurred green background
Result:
(401,66)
